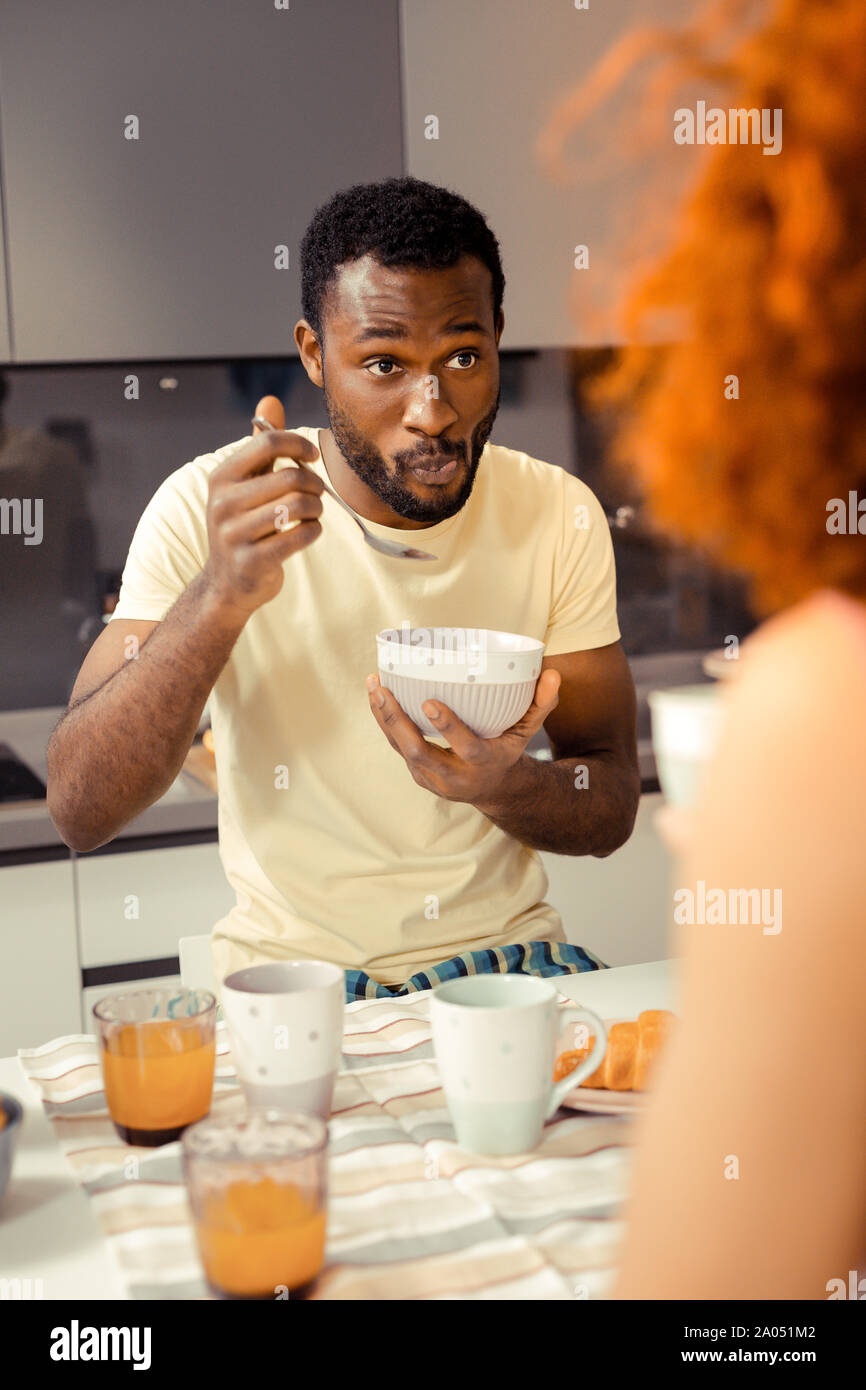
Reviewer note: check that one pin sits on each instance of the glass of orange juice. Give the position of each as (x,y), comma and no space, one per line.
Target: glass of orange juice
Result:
(258,1191)
(157,1048)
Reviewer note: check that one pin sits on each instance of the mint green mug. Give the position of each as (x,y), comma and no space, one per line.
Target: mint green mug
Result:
(495,1039)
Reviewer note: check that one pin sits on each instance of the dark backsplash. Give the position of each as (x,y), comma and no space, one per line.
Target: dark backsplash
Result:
(95,453)
(668,597)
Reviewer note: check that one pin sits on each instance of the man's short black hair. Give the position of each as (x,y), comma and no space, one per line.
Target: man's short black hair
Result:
(404,222)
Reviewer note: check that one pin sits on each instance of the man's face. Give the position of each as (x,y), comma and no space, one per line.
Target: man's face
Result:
(405,386)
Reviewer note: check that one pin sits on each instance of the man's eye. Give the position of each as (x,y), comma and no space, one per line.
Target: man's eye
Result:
(389,361)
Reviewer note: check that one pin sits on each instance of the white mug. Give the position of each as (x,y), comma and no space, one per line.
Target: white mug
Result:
(495,1039)
(686,724)
(285,1026)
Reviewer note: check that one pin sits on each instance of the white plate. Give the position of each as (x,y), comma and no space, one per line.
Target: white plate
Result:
(599,1102)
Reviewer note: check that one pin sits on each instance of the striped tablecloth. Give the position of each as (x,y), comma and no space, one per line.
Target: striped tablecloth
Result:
(410,1214)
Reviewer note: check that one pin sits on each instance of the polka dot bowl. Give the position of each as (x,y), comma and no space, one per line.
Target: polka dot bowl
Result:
(486,677)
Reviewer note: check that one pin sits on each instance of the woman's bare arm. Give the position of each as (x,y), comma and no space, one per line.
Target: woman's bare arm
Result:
(750,1173)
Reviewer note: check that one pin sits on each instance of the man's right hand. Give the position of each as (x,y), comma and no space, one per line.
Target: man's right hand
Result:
(249,505)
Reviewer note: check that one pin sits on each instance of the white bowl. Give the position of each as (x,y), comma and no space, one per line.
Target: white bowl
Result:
(685,730)
(488,678)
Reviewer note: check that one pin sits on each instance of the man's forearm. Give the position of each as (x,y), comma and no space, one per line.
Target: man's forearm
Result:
(116,751)
(584,805)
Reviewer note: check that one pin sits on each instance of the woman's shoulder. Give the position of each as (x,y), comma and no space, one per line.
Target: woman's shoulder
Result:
(815,648)
(795,709)
(833,609)
(793,736)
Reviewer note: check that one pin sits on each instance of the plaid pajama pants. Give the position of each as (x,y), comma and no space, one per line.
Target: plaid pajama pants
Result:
(544,958)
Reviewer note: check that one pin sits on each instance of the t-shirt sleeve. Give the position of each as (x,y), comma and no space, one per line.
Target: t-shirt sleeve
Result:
(167,551)
(583,608)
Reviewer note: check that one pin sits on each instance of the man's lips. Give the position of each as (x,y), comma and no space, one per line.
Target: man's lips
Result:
(435,472)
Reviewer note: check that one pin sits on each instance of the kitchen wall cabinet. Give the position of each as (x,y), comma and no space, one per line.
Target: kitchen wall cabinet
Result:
(40,977)
(249,117)
(163,246)
(480,81)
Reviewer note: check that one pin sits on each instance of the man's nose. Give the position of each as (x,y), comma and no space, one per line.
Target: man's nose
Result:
(428,407)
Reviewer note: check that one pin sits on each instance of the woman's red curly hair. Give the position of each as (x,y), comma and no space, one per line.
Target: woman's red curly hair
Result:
(768,276)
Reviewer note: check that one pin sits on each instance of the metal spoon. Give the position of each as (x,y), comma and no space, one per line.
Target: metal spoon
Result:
(400,552)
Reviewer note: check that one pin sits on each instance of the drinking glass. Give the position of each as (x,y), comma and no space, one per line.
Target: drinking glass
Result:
(258,1192)
(157,1048)
(686,725)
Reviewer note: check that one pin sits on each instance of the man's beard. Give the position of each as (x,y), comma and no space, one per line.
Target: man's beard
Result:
(369,465)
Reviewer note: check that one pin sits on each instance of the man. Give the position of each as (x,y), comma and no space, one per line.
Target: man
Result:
(346,834)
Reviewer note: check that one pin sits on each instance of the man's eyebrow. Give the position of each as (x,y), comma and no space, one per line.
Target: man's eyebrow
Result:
(398,332)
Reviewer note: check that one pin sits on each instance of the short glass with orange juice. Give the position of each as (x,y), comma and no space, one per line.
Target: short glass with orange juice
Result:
(258,1190)
(157,1048)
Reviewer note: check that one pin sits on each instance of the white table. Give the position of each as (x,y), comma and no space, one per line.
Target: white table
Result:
(47,1229)
(624,990)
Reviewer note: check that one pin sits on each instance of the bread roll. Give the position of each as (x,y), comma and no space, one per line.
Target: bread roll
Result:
(632,1049)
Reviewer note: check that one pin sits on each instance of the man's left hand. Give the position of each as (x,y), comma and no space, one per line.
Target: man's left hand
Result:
(472,769)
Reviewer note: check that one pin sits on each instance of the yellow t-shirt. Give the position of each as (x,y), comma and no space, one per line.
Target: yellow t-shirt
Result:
(333,850)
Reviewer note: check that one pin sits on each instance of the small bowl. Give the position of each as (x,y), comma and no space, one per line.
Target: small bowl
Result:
(686,722)
(488,678)
(8,1136)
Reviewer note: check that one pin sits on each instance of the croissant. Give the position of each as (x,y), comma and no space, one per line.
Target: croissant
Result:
(630,1055)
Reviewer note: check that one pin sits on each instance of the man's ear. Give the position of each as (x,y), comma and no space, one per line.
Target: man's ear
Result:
(311,351)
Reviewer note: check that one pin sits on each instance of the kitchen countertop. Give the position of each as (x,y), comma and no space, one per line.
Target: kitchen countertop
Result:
(50,1234)
(187,805)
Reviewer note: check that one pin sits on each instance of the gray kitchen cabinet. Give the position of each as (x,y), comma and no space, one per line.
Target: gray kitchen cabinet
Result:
(480,82)
(40,978)
(249,117)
